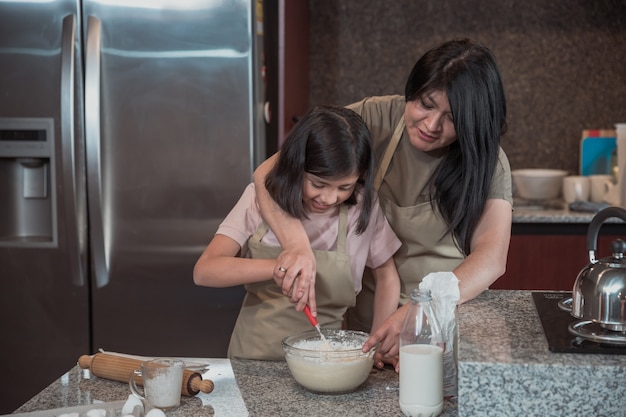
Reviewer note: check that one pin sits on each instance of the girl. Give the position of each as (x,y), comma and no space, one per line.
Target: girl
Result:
(323,176)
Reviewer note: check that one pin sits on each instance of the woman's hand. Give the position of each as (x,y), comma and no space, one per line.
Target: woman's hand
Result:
(387,336)
(295,267)
(295,275)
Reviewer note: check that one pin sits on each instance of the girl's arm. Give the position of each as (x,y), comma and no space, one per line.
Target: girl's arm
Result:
(219,266)
(297,256)
(386,298)
(387,295)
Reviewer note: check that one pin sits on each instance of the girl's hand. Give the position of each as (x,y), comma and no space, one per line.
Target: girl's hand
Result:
(387,336)
(380,360)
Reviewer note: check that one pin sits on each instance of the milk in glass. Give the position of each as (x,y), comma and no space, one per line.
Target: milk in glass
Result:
(421,359)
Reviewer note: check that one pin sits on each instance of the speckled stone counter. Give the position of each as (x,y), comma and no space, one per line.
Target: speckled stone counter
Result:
(266,387)
(554,211)
(270,391)
(506,368)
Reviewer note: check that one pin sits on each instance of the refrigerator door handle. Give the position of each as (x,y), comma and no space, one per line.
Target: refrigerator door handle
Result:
(67,150)
(99,241)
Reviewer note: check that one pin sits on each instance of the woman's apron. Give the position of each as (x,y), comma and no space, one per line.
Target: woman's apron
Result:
(420,229)
(267,316)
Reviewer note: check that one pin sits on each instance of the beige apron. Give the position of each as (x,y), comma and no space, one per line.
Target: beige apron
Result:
(267,316)
(420,229)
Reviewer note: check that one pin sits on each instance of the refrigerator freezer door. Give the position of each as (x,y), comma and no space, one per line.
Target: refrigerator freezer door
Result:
(172,151)
(44,315)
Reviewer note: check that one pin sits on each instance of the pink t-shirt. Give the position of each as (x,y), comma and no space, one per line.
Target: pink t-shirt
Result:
(371,248)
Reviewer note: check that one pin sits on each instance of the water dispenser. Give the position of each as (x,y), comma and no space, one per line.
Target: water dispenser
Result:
(27,182)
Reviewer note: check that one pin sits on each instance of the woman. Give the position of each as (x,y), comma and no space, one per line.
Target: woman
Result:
(443,181)
(324,178)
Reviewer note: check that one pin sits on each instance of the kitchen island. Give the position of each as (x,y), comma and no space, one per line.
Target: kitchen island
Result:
(265,387)
(505,369)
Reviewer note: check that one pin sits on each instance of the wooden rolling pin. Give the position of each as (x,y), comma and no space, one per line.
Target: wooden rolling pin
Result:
(119,368)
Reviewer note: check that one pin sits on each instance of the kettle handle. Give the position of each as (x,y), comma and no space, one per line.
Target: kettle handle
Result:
(596,223)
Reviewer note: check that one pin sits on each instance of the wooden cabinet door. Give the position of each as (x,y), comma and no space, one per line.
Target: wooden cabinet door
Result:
(548,262)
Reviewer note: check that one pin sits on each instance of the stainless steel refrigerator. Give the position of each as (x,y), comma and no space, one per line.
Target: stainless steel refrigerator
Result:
(128,130)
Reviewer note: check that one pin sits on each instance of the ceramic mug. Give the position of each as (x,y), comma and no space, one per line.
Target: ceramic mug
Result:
(162,382)
(600,187)
(612,196)
(576,188)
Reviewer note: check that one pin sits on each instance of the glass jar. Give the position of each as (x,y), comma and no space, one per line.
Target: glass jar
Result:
(421,359)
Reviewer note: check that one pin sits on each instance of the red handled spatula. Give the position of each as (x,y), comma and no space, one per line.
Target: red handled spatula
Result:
(313,321)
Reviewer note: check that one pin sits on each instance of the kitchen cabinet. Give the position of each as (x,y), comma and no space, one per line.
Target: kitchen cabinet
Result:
(549,256)
(286,59)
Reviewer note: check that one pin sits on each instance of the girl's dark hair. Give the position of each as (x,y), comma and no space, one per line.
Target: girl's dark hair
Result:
(329,142)
(468,73)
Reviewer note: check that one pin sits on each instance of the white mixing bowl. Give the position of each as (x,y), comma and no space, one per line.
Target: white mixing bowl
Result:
(334,366)
(538,184)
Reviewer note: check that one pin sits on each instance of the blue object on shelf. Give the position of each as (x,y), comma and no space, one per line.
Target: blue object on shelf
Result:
(595,155)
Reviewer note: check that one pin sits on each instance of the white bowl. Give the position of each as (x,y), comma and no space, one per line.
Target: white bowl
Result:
(538,184)
(336,366)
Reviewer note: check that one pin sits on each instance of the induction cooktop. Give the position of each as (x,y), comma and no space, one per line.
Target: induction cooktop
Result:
(555,322)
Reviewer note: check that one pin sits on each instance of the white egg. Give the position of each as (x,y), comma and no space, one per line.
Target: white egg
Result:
(131,403)
(155,412)
(97,412)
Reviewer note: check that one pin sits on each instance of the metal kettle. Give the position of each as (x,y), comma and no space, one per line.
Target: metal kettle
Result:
(599,292)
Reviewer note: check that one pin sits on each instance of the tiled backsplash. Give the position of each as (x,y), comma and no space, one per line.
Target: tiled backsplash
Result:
(563,63)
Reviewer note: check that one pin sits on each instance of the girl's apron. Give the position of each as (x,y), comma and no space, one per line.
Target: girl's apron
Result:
(267,316)
(423,250)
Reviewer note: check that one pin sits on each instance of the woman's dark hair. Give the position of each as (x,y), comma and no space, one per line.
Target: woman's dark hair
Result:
(468,73)
(329,142)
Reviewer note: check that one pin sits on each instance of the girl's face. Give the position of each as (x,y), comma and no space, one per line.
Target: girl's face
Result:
(428,121)
(319,194)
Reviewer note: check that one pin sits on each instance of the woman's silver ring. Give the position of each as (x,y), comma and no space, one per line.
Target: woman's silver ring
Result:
(281,269)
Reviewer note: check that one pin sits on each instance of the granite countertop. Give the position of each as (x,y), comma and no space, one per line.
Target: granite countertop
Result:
(504,369)
(553,211)
(266,387)
(268,390)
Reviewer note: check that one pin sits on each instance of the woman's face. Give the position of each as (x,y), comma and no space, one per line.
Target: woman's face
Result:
(428,121)
(319,195)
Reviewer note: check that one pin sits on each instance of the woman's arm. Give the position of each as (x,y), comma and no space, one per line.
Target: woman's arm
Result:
(218,265)
(490,247)
(297,256)
(486,263)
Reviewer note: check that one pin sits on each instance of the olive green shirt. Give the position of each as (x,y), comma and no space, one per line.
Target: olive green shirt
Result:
(407,179)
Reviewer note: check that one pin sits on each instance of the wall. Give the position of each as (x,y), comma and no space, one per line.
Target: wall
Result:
(563,64)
